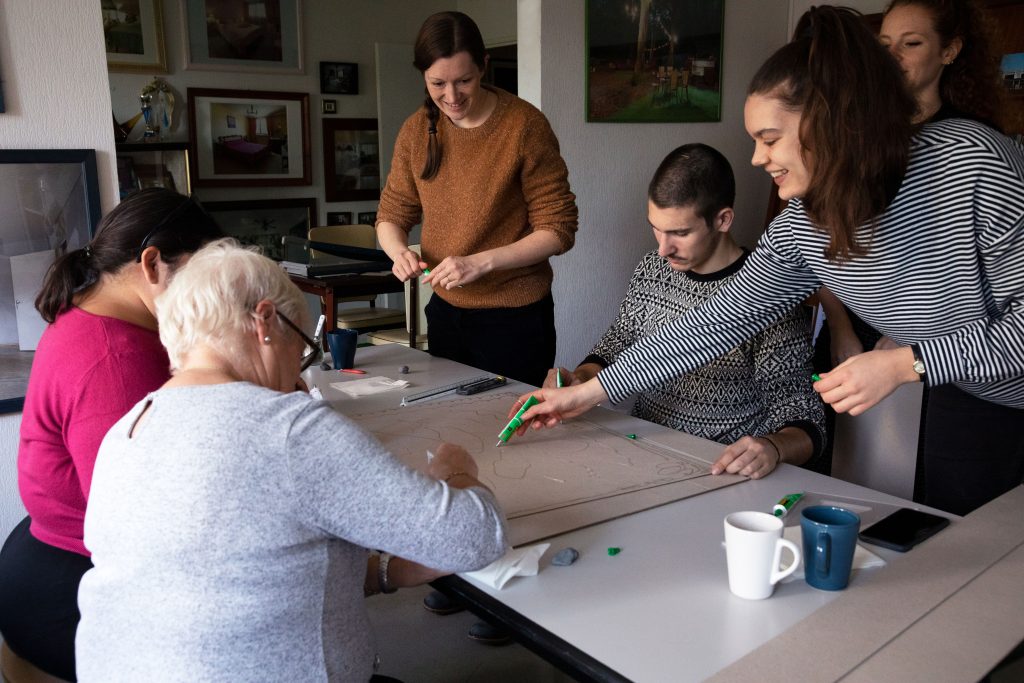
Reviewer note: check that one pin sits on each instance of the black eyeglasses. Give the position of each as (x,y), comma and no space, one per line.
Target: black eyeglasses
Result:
(314,352)
(175,213)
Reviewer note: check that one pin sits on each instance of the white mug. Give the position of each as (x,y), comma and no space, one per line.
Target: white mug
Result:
(753,549)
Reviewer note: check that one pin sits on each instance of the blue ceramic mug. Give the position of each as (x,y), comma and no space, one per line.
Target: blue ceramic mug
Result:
(342,344)
(829,539)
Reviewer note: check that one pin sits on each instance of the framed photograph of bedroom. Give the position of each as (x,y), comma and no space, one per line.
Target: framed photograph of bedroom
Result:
(243,35)
(134,33)
(243,138)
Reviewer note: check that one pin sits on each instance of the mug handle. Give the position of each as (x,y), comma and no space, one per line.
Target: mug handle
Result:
(823,555)
(777,575)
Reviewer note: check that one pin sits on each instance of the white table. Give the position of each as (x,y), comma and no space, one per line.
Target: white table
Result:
(661,610)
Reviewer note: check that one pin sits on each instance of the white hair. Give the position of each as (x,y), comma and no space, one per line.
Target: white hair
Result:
(212,299)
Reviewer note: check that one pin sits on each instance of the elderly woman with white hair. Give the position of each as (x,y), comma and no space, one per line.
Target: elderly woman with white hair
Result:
(230,516)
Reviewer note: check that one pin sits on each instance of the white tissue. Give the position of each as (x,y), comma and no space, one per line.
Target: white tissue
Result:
(315,393)
(368,386)
(516,562)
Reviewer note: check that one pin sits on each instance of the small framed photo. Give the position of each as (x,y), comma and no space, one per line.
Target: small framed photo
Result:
(243,35)
(263,222)
(329,106)
(339,218)
(243,138)
(367,217)
(351,160)
(134,34)
(339,78)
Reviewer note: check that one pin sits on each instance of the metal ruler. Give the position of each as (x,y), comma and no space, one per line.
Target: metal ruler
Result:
(438,391)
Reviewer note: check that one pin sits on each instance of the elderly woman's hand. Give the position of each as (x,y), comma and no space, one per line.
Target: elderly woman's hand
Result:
(451,460)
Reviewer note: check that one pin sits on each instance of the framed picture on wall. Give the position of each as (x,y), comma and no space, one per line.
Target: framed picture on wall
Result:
(264,222)
(339,218)
(243,35)
(134,34)
(339,78)
(367,217)
(248,138)
(351,160)
(654,62)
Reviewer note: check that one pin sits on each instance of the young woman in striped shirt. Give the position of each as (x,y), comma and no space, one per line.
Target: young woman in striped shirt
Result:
(920,233)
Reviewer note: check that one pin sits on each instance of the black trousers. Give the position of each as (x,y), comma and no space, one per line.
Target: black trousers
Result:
(39,601)
(518,343)
(972,451)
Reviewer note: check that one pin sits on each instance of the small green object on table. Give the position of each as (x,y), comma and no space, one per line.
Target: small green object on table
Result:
(613,551)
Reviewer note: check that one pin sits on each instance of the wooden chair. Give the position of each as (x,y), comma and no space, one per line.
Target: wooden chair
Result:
(415,305)
(369,317)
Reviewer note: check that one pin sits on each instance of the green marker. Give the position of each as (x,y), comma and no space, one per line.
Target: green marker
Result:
(558,378)
(516,422)
(786,503)
(613,551)
(630,436)
(426,271)
(815,377)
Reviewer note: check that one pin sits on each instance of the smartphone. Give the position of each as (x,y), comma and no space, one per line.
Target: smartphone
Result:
(903,529)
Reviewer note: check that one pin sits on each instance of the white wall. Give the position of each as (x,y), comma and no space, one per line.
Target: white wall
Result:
(54,73)
(331,32)
(611,164)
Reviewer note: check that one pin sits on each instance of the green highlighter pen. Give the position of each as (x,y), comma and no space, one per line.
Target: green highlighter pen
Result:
(516,421)
(558,378)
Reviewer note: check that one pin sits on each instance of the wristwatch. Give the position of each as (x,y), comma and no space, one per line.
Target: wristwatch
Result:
(918,362)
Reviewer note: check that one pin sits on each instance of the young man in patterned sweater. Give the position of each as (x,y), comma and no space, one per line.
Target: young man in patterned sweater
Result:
(757,398)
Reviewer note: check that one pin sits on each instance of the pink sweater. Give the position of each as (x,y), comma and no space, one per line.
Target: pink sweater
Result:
(88,371)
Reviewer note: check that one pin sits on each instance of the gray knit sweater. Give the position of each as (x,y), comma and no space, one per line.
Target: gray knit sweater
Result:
(757,388)
(229,538)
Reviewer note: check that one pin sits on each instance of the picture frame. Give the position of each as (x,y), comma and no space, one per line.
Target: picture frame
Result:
(135,41)
(329,107)
(654,62)
(264,222)
(351,160)
(242,35)
(339,218)
(49,205)
(367,218)
(339,78)
(269,147)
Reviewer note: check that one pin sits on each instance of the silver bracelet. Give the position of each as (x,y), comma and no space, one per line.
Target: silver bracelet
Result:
(382,574)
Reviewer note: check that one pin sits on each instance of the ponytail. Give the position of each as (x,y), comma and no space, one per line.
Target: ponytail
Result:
(156,217)
(433,164)
(855,120)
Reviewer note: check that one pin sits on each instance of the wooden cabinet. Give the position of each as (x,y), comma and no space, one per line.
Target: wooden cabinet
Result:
(153,164)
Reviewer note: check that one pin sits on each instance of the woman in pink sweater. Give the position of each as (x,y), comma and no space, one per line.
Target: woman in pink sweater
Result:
(99,356)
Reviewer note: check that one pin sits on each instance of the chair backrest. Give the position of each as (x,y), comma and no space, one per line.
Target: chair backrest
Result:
(349,235)
(423,293)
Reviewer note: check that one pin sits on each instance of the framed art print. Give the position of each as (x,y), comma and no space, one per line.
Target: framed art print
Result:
(243,35)
(134,34)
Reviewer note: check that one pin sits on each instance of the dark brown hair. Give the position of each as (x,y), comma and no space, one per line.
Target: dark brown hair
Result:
(972,83)
(694,175)
(855,114)
(443,35)
(153,217)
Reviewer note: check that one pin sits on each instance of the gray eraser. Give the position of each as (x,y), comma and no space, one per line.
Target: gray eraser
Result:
(565,557)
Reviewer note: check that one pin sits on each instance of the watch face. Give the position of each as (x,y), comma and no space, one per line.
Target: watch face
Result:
(919,367)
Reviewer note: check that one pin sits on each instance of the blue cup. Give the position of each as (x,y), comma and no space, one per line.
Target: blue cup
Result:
(342,344)
(830,537)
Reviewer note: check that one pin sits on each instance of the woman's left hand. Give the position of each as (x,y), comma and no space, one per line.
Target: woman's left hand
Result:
(862,381)
(457,271)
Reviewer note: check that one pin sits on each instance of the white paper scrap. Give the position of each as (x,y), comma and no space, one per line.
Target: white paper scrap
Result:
(369,386)
(516,562)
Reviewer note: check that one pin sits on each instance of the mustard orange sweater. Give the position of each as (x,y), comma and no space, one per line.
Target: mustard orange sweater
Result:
(497,183)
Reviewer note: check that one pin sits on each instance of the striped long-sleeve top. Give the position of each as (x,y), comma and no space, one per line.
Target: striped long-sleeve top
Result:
(944,268)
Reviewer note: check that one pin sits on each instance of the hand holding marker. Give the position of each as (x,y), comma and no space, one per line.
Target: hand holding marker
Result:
(516,421)
(426,271)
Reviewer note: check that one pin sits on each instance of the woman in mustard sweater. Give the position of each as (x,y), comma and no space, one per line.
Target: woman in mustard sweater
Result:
(482,171)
